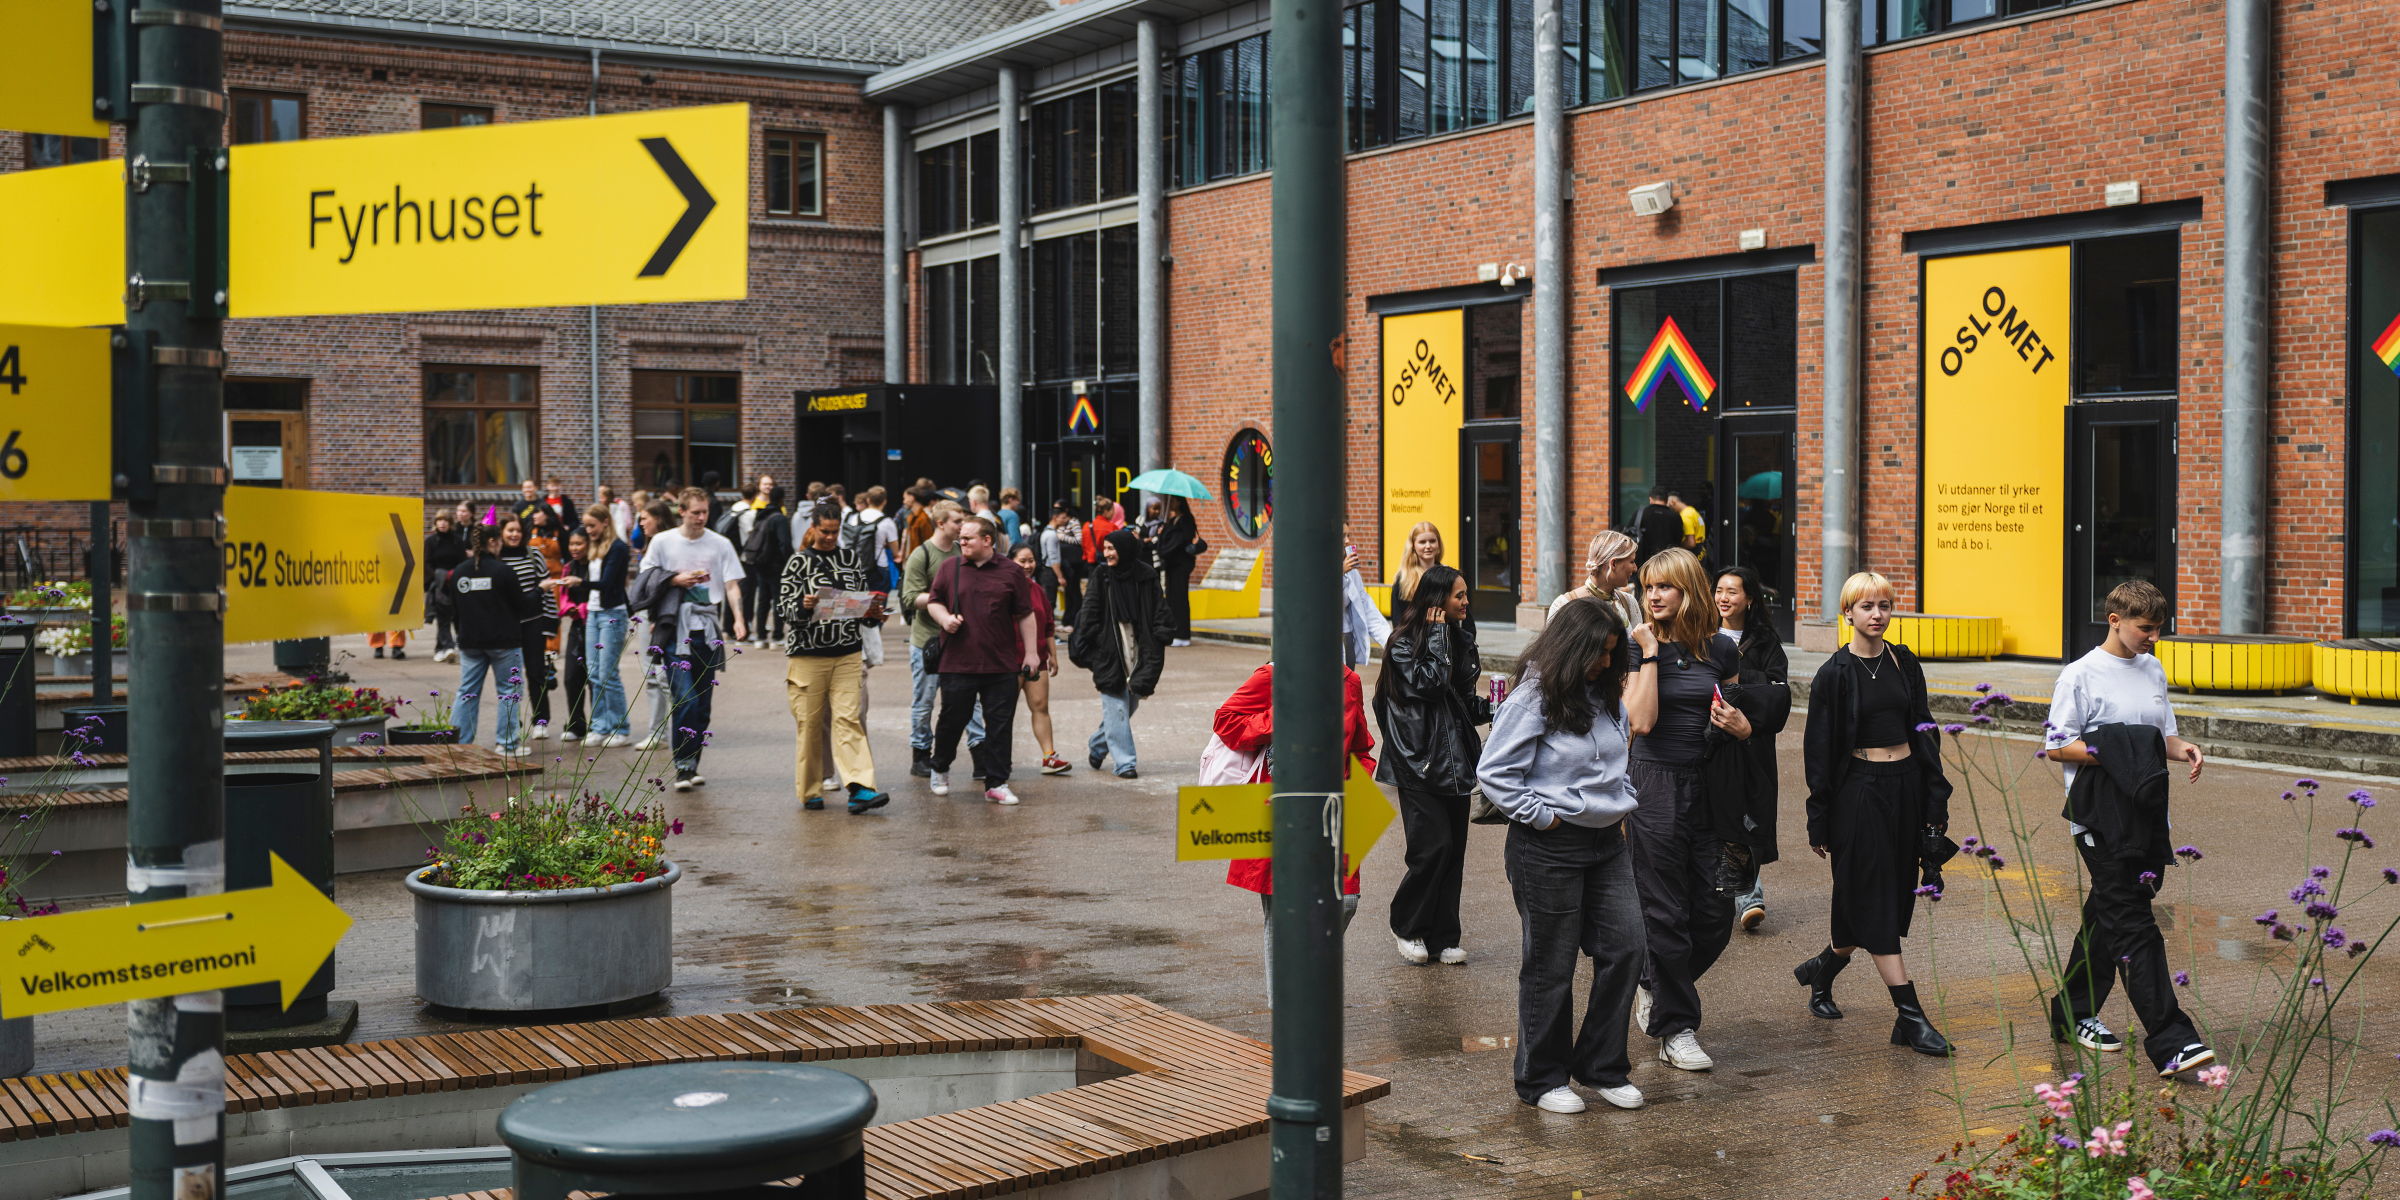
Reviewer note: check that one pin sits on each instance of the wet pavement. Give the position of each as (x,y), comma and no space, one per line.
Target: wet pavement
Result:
(1076,891)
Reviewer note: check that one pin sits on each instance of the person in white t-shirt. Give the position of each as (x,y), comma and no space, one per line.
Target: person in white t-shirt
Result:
(708,569)
(2120,683)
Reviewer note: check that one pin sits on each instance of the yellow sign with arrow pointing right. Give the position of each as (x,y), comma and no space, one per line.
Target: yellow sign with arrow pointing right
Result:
(1237,820)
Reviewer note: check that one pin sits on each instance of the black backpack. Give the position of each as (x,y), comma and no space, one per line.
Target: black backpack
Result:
(858,537)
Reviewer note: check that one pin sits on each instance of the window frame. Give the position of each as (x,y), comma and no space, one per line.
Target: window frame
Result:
(71,150)
(638,402)
(815,142)
(427,108)
(1257,524)
(426,406)
(235,98)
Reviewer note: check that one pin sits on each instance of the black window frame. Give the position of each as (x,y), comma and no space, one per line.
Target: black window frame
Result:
(527,401)
(958,185)
(443,114)
(1214,132)
(238,101)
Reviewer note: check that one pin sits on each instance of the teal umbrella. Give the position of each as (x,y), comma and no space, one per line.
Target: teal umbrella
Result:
(1169,482)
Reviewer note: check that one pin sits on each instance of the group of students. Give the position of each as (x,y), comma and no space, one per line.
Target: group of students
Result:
(1633,763)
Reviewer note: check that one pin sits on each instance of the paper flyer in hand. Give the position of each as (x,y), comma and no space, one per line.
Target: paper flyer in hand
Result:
(835,605)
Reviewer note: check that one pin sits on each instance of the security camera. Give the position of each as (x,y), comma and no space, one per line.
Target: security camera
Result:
(1651,199)
(1511,274)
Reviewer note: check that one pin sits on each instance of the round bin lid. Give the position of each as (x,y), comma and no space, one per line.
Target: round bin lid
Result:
(277,735)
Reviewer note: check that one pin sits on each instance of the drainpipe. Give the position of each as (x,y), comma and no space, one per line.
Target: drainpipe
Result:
(591,313)
(1550,482)
(1845,92)
(895,249)
(1150,273)
(2242,539)
(1012,283)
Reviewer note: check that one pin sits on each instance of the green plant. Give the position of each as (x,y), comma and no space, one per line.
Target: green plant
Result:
(434,713)
(56,593)
(316,700)
(65,640)
(28,812)
(547,841)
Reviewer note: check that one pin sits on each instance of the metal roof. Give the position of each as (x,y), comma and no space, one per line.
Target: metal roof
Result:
(1063,33)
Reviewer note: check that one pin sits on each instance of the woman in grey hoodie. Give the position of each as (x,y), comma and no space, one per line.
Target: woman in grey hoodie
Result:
(1556,765)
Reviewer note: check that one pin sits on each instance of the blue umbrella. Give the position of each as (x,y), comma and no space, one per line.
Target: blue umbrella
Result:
(1169,482)
(1766,485)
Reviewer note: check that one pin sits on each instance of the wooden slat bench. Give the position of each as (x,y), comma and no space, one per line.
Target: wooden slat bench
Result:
(1146,1088)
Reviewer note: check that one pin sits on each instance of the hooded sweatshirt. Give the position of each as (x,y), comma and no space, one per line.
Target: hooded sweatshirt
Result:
(1536,773)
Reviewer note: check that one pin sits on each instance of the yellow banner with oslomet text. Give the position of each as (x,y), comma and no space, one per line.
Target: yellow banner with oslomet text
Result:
(1996,391)
(1424,405)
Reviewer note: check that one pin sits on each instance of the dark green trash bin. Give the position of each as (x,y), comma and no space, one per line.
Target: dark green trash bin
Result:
(714,1129)
(104,726)
(17,708)
(303,657)
(286,808)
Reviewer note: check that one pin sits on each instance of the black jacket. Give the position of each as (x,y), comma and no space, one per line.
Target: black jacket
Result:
(1428,708)
(2121,801)
(1096,646)
(1174,544)
(442,552)
(1656,528)
(1833,718)
(492,604)
(1738,776)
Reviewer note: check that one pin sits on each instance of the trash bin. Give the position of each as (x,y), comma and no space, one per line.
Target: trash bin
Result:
(284,807)
(303,657)
(107,723)
(719,1129)
(17,708)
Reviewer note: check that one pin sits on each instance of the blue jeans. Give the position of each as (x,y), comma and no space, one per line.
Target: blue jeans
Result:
(923,686)
(603,647)
(692,674)
(1114,737)
(507,667)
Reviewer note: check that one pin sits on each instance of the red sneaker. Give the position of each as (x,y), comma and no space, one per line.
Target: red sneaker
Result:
(1054,765)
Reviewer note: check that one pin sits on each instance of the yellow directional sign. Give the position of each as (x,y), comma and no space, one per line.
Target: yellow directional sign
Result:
(64,228)
(313,564)
(46,86)
(54,413)
(280,933)
(619,209)
(1235,820)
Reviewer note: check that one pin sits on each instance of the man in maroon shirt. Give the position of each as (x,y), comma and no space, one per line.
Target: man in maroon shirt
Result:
(980,601)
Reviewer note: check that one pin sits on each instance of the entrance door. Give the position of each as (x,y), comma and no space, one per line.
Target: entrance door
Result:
(1753,525)
(2121,509)
(1487,552)
(268,449)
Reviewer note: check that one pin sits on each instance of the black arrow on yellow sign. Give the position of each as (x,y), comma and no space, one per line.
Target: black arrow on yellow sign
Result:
(696,198)
(408,562)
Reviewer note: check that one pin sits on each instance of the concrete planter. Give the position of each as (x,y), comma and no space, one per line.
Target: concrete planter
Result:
(532,951)
(69,664)
(365,731)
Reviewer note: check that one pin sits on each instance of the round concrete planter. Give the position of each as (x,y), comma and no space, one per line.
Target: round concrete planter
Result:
(532,951)
(365,731)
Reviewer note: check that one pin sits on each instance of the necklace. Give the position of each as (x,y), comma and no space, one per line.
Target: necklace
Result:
(1874,665)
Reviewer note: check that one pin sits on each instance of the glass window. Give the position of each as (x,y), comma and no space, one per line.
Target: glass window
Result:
(1803,28)
(1607,72)
(795,174)
(686,429)
(52,150)
(1062,150)
(1699,39)
(480,426)
(1119,169)
(1446,54)
(1749,35)
(451,116)
(2125,309)
(1360,73)
(1495,333)
(268,117)
(2374,526)
(1248,480)
(1220,105)
(1120,301)
(1413,80)
(983,180)
(1762,328)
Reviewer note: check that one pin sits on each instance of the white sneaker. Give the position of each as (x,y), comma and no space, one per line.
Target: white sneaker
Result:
(615,740)
(1560,1100)
(516,752)
(541,731)
(1454,955)
(1627,1096)
(832,784)
(1413,950)
(1000,795)
(1641,1009)
(648,743)
(1683,1052)
(568,739)
(938,783)
(1181,642)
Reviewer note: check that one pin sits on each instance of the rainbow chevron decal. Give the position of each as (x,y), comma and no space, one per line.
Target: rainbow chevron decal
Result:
(1084,418)
(1670,356)
(2387,347)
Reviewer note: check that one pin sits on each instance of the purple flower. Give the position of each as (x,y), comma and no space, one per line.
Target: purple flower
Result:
(1954,728)
(2041,754)
(2281,932)
(1930,892)
(2334,938)
(2003,698)
(2307,888)
(1971,842)
(2188,853)
(2183,979)
(2363,798)
(1927,727)
(2317,981)
(1998,862)
(2355,835)
(2384,1137)
(2149,877)
(2307,784)
(2319,872)
(2265,918)
(1982,719)
(2391,875)
(1983,687)
(2065,1142)
(2321,911)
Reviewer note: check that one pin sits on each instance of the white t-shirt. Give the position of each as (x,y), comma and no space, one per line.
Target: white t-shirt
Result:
(709,552)
(2102,689)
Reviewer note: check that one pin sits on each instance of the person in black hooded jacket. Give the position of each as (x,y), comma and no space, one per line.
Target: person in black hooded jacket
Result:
(1427,706)
(1121,638)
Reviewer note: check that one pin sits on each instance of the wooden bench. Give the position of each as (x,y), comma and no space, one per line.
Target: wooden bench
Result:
(1230,589)
(1177,1102)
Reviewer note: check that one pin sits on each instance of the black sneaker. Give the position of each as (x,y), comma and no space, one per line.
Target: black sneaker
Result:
(1096,761)
(920,763)
(683,779)
(2190,1058)
(379,652)
(397,652)
(2090,1034)
(1129,773)
(866,799)
(814,804)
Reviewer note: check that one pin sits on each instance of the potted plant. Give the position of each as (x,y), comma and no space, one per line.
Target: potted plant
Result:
(555,898)
(358,713)
(430,725)
(70,646)
(51,601)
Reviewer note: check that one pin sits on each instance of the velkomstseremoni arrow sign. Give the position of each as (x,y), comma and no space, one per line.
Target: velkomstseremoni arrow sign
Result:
(618,209)
(628,208)
(277,934)
(313,564)
(54,406)
(46,86)
(1236,820)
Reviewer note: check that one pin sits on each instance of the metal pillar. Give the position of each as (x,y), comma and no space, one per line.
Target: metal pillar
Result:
(1012,279)
(895,244)
(591,321)
(1551,543)
(1305,1110)
(2249,148)
(101,569)
(1845,93)
(175,810)
(1150,231)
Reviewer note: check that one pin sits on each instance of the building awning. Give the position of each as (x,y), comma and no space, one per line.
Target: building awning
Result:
(1071,30)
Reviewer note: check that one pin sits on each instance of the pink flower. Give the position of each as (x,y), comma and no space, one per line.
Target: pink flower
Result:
(2138,1188)
(2217,1076)
(2106,1142)
(2060,1098)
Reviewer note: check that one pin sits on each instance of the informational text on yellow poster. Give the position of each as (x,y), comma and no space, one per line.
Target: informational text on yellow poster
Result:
(1424,404)
(1995,468)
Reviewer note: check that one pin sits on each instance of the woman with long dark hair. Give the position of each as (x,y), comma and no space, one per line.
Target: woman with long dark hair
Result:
(1675,694)
(1556,765)
(1121,638)
(1749,811)
(1177,545)
(1427,706)
(1876,797)
(518,551)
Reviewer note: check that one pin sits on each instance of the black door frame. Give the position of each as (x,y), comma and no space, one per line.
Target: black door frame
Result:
(1471,435)
(2082,418)
(1725,539)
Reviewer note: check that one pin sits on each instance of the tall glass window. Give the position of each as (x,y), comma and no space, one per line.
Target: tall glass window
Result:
(962,321)
(958,185)
(1892,20)
(481,425)
(1084,306)
(2125,307)
(687,429)
(1220,109)
(2374,526)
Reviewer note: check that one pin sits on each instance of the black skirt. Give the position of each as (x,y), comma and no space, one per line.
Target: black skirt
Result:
(1878,822)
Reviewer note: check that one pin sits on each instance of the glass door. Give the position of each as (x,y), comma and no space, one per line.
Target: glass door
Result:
(2121,523)
(1752,525)
(1491,504)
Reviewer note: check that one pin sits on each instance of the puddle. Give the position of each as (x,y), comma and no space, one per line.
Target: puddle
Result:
(1473,1045)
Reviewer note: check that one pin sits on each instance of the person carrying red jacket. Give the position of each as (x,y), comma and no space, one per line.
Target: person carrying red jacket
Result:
(1246,724)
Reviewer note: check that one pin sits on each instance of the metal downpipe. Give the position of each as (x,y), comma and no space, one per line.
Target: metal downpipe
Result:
(1150,232)
(1551,543)
(2248,330)
(1012,281)
(895,244)
(1845,89)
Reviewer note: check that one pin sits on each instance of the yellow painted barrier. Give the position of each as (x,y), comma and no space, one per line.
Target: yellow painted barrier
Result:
(1940,636)
(2359,668)
(2235,663)
(1219,597)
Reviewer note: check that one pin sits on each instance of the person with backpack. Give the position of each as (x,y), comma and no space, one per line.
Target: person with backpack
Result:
(766,546)
(493,602)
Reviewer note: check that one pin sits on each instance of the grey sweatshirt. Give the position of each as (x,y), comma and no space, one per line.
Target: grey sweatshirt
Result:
(1536,774)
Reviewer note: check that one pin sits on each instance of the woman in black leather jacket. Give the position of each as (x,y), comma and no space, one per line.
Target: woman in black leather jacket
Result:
(1428,707)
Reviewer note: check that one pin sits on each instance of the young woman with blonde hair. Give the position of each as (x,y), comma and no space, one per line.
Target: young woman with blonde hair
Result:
(1422,554)
(1876,799)
(1674,694)
(1608,566)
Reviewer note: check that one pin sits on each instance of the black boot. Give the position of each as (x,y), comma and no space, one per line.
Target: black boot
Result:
(1734,869)
(1816,975)
(1911,1029)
